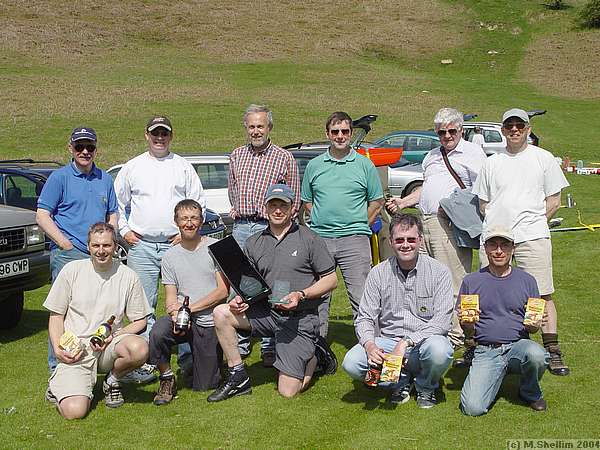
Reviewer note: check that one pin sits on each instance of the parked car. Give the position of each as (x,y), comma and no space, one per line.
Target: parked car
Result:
(24,262)
(415,143)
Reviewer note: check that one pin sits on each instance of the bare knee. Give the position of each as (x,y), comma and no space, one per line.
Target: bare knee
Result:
(74,407)
(288,386)
(134,349)
(222,316)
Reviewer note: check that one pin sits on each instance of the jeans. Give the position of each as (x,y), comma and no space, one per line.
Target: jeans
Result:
(58,259)
(490,365)
(426,363)
(145,258)
(353,256)
(242,230)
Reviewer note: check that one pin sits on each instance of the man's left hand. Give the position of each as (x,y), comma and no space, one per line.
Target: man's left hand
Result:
(400,348)
(101,348)
(293,298)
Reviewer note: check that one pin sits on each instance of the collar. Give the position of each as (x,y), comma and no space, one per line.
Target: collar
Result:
(460,148)
(396,267)
(252,150)
(95,172)
(267,231)
(349,157)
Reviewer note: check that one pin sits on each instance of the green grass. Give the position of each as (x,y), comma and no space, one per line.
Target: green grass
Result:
(110,68)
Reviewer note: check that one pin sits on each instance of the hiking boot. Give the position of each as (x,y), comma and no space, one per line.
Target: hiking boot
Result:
(166,391)
(402,395)
(141,375)
(326,360)
(113,397)
(557,366)
(268,359)
(426,400)
(467,358)
(236,384)
(539,405)
(49,396)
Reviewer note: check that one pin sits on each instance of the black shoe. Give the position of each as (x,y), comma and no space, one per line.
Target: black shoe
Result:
(326,360)
(402,395)
(557,366)
(467,358)
(238,384)
(537,405)
(268,359)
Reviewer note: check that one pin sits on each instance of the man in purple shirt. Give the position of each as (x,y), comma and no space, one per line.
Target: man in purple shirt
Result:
(503,344)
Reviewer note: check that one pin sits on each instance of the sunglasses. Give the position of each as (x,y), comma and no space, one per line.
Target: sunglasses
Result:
(91,148)
(344,131)
(160,132)
(452,131)
(402,240)
(510,125)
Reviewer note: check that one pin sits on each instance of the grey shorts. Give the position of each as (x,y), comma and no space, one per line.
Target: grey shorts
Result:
(295,336)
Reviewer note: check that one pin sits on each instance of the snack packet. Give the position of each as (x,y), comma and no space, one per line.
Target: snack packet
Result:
(470,307)
(534,311)
(390,372)
(69,342)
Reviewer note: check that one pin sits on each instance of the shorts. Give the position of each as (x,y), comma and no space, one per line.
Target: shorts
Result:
(295,336)
(79,378)
(535,258)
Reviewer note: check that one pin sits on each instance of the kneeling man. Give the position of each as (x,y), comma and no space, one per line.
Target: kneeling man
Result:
(86,294)
(406,311)
(503,344)
(290,255)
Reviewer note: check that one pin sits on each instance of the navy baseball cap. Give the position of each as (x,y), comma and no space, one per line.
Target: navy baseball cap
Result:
(83,133)
(281,192)
(159,121)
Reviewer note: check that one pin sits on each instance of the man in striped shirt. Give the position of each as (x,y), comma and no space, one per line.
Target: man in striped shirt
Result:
(405,310)
(254,167)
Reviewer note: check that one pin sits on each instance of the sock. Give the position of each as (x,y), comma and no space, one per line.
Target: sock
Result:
(238,368)
(166,374)
(550,339)
(111,379)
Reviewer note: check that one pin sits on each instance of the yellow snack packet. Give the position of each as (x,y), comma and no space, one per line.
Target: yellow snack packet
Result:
(469,304)
(534,311)
(69,342)
(390,372)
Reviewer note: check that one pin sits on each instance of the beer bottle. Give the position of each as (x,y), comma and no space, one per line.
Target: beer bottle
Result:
(103,332)
(184,314)
(373,375)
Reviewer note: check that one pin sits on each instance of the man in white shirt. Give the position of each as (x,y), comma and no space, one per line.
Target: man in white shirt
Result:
(521,190)
(466,159)
(148,187)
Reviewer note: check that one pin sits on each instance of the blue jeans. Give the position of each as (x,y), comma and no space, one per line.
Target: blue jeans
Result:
(490,365)
(353,256)
(426,363)
(242,230)
(58,259)
(145,258)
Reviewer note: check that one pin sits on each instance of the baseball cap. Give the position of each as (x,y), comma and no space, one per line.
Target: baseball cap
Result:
(159,121)
(515,112)
(82,133)
(281,192)
(498,231)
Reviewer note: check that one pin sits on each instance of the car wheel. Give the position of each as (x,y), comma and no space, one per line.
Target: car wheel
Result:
(412,187)
(11,309)
(122,250)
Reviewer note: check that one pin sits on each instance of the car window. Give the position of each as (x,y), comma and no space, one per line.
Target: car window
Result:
(395,141)
(212,175)
(492,136)
(21,191)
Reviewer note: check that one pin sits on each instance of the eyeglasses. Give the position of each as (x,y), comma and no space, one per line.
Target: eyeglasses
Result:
(194,219)
(344,131)
(91,148)
(452,131)
(510,125)
(402,240)
(493,245)
(160,132)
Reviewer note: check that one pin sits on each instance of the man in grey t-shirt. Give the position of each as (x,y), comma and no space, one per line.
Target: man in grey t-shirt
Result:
(189,271)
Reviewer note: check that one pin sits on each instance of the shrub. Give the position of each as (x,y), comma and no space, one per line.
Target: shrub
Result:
(589,17)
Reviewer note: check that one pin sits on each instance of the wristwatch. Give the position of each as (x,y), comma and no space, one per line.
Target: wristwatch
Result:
(303,296)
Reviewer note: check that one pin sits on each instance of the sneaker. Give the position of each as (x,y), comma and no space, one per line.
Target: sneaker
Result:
(467,358)
(426,400)
(238,384)
(50,397)
(141,375)
(268,359)
(326,360)
(557,366)
(113,397)
(402,395)
(166,391)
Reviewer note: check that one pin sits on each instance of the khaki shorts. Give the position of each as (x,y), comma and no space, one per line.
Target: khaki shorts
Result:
(79,378)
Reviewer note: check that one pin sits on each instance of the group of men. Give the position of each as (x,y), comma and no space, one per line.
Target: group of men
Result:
(405,306)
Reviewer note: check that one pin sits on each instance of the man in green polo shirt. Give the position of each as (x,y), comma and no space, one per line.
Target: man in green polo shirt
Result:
(342,191)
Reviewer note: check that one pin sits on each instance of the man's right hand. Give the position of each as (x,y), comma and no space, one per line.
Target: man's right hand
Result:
(237,305)
(375,354)
(392,206)
(67,245)
(131,237)
(66,357)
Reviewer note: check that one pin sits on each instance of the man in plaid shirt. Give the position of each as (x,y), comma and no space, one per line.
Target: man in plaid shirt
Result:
(254,167)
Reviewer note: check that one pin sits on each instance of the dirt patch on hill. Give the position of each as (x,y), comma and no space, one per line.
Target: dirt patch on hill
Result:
(235,31)
(565,64)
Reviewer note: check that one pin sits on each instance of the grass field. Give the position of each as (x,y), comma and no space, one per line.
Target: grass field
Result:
(201,63)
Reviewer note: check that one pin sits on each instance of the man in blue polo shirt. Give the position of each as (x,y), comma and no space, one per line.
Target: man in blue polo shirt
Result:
(74,198)
(342,191)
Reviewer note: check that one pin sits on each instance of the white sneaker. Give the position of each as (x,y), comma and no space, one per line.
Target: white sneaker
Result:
(141,375)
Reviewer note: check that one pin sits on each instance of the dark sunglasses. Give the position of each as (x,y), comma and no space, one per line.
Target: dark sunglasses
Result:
(91,148)
(160,132)
(402,240)
(510,125)
(452,131)
(344,131)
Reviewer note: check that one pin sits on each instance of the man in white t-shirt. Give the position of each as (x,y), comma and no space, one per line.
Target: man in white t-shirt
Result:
(85,294)
(520,189)
(148,187)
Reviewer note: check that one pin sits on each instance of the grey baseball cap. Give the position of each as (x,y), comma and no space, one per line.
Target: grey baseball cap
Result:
(515,112)
(498,231)
(281,192)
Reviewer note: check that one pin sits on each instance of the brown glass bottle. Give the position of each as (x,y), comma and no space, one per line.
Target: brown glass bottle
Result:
(373,375)
(103,332)
(182,322)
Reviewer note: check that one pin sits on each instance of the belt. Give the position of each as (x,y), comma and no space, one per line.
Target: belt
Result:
(254,218)
(493,344)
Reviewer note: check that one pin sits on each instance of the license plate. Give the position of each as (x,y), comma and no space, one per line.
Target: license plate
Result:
(12,268)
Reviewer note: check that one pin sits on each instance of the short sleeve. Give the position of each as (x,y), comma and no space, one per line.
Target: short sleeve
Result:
(167,270)
(59,297)
(374,189)
(322,261)
(51,194)
(137,306)
(554,178)
(306,190)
